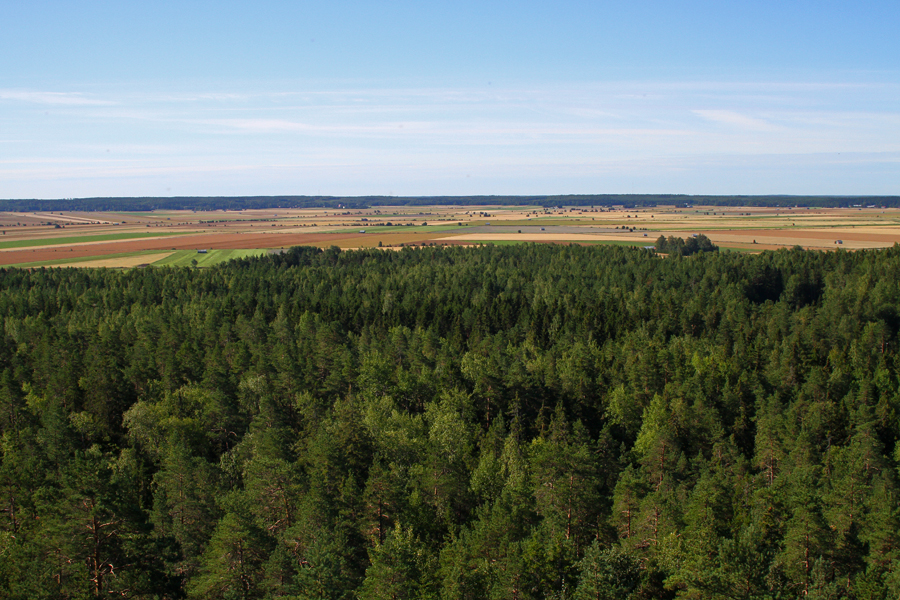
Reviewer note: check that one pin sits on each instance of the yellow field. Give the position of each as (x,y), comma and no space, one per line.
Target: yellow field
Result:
(117,262)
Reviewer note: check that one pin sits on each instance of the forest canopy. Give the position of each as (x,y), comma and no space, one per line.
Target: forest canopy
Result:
(529,421)
(676,245)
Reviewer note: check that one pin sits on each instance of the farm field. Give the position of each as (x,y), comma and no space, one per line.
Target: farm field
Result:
(175,237)
(186,258)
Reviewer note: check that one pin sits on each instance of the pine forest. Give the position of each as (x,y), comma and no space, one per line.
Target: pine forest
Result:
(499,422)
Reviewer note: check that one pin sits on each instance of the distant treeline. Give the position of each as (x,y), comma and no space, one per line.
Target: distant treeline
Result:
(357,202)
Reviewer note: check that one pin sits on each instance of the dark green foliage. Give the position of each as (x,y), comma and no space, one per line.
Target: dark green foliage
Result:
(609,574)
(680,247)
(500,422)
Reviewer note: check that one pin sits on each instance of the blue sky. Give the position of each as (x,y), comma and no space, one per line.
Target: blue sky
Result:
(434,98)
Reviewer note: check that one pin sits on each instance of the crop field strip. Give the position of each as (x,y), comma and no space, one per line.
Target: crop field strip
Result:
(102,239)
(81,239)
(114,260)
(171,258)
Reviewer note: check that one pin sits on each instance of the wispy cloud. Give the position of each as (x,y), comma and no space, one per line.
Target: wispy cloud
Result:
(287,126)
(573,135)
(734,119)
(485,131)
(53,98)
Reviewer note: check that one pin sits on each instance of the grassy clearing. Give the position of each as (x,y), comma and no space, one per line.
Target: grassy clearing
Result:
(81,239)
(185,258)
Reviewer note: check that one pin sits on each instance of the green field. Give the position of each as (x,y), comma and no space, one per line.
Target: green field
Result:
(731,249)
(82,239)
(185,258)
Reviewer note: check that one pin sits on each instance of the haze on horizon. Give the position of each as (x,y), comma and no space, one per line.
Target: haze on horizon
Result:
(359,98)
